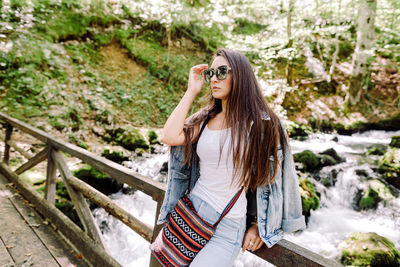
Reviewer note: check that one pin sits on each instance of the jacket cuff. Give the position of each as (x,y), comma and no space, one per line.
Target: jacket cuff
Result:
(293,225)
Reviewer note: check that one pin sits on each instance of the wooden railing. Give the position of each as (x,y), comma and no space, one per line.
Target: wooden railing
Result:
(90,242)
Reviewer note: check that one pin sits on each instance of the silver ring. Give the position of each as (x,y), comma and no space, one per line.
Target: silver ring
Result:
(251,243)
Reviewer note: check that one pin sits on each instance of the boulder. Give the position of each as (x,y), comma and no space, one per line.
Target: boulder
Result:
(368,249)
(370,197)
(395,142)
(389,167)
(101,181)
(116,156)
(299,131)
(332,152)
(308,159)
(309,198)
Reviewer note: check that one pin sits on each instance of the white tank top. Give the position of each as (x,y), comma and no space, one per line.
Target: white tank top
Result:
(214,184)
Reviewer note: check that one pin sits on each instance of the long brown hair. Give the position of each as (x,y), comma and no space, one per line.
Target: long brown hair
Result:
(245,104)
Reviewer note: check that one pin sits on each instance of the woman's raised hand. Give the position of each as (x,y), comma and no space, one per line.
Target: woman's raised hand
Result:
(196,78)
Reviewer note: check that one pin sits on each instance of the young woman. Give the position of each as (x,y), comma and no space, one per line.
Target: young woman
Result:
(242,143)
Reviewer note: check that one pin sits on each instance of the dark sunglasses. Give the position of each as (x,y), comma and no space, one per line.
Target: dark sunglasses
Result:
(221,73)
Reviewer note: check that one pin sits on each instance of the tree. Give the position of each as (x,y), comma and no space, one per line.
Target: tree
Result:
(361,71)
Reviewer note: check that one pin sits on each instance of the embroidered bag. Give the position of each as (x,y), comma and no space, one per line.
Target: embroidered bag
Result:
(185,232)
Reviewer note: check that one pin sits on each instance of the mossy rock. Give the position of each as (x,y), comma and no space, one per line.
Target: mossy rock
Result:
(309,198)
(153,137)
(299,131)
(116,156)
(325,160)
(101,181)
(369,249)
(308,159)
(376,192)
(376,151)
(389,167)
(332,152)
(395,142)
(132,139)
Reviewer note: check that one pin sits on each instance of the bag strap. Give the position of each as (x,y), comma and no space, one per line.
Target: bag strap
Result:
(229,206)
(194,150)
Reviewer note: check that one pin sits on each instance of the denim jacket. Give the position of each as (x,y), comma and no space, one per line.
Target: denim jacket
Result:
(278,205)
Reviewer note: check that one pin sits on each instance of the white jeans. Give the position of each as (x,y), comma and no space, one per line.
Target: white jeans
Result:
(224,246)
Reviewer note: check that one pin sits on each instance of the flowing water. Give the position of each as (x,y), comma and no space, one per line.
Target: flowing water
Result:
(327,226)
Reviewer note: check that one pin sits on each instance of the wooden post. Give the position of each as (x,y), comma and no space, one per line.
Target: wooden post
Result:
(50,193)
(153,261)
(9,129)
(39,157)
(82,208)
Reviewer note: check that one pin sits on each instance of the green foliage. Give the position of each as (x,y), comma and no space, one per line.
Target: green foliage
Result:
(244,26)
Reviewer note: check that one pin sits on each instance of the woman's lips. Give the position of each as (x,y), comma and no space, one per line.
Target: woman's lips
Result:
(215,88)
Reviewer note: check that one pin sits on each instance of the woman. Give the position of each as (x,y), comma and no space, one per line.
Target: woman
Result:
(242,143)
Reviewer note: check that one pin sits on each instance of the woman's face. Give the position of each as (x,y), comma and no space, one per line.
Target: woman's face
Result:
(221,88)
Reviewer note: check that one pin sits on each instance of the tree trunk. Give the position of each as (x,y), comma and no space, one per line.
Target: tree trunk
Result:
(289,72)
(360,76)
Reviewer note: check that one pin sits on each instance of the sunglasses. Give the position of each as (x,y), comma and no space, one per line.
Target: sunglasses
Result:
(221,73)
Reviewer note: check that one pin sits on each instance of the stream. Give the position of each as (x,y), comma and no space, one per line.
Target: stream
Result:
(327,226)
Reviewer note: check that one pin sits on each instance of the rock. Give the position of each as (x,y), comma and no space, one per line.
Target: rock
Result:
(332,152)
(368,249)
(116,156)
(101,181)
(299,131)
(375,151)
(376,192)
(99,131)
(389,167)
(309,198)
(164,167)
(308,159)
(131,139)
(330,178)
(395,142)
(153,138)
(325,160)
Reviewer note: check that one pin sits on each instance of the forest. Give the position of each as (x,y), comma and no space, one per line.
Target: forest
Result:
(101,73)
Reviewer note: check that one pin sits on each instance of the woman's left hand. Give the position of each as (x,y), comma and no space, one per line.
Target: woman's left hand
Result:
(252,240)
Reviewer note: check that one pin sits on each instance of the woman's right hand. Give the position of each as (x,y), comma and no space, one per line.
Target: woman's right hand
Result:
(196,78)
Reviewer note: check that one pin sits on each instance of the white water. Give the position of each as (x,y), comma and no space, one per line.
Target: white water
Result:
(326,228)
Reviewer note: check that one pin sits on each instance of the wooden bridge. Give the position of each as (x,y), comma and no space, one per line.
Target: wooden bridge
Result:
(33,232)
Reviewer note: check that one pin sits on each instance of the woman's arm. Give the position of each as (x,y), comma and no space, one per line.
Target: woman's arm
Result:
(173,134)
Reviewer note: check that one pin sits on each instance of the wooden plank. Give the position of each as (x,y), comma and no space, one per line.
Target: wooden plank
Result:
(286,253)
(22,243)
(9,129)
(112,208)
(5,257)
(35,160)
(61,252)
(50,191)
(24,153)
(78,200)
(90,250)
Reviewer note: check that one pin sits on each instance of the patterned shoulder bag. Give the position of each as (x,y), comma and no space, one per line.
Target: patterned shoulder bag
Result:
(185,232)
